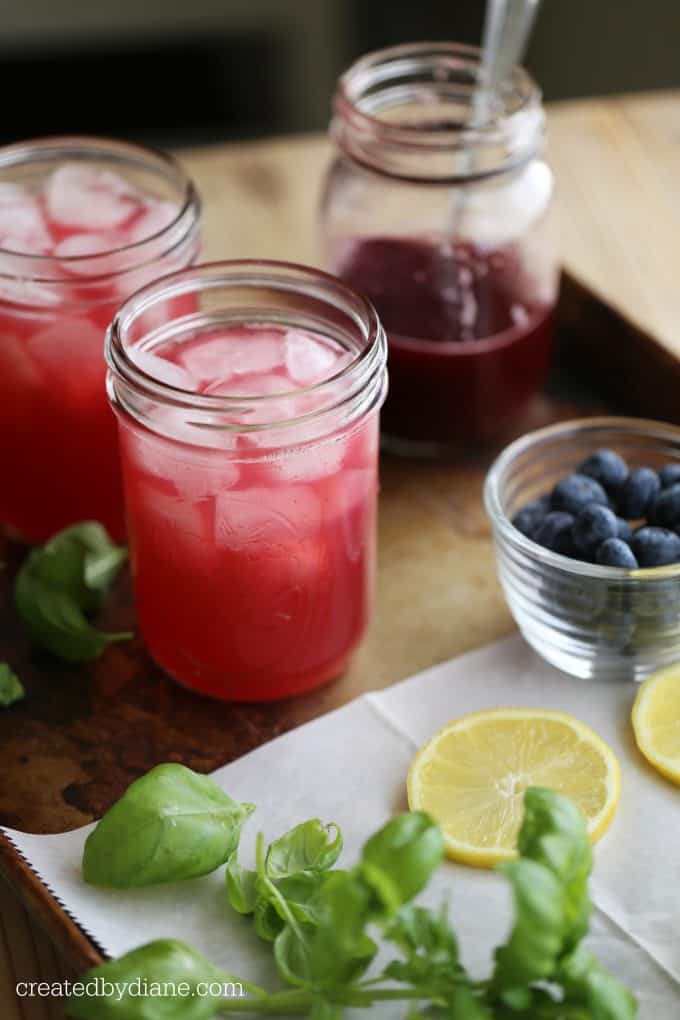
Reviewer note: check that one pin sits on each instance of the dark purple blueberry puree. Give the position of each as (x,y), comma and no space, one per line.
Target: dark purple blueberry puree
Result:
(469,344)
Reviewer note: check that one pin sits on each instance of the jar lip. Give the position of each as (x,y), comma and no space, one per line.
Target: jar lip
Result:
(358,129)
(100,147)
(361,370)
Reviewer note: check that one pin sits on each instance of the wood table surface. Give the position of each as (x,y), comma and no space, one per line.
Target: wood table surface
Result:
(617,162)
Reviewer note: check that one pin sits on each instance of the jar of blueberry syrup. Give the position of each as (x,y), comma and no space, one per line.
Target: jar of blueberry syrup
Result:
(436,207)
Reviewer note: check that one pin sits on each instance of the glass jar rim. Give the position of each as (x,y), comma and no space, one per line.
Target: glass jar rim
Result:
(100,147)
(503,463)
(516,111)
(363,375)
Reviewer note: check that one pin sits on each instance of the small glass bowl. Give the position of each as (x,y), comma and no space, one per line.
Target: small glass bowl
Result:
(585,619)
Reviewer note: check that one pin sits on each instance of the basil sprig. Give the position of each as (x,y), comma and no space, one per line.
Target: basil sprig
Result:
(327,925)
(61,583)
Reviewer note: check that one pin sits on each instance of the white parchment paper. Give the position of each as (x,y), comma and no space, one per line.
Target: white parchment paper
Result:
(350,766)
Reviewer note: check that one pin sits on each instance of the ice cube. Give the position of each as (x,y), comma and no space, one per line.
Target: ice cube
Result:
(70,355)
(22,226)
(100,246)
(315,461)
(236,352)
(262,520)
(18,290)
(82,196)
(196,472)
(156,215)
(310,359)
(185,517)
(162,370)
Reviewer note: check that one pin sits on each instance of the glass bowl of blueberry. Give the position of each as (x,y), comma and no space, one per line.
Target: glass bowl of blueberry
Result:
(586,524)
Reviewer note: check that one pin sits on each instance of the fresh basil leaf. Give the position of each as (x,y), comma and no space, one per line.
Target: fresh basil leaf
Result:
(554,834)
(292,959)
(11,687)
(241,886)
(550,885)
(303,896)
(311,846)
(101,568)
(400,858)
(587,983)
(121,984)
(267,920)
(429,945)
(339,949)
(537,938)
(57,624)
(170,825)
(59,583)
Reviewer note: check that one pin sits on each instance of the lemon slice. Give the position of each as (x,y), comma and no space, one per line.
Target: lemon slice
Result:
(656,721)
(471,777)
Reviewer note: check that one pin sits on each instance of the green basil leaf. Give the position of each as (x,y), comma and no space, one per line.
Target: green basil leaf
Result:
(303,896)
(554,834)
(118,987)
(292,959)
(101,568)
(267,920)
(170,825)
(311,846)
(57,624)
(59,583)
(241,886)
(537,938)
(550,886)
(11,687)
(339,950)
(400,858)
(429,945)
(587,983)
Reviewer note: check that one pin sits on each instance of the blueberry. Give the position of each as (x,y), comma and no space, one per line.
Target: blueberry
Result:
(575,492)
(530,516)
(554,532)
(615,553)
(623,530)
(637,493)
(669,475)
(665,510)
(607,468)
(593,526)
(656,547)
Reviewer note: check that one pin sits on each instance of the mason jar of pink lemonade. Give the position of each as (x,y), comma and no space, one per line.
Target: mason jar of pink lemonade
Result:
(437,207)
(248,429)
(84,222)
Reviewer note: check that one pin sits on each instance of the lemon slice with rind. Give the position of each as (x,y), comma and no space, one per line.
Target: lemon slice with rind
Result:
(656,721)
(471,777)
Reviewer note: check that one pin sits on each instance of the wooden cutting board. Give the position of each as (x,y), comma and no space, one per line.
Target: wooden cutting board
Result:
(82,735)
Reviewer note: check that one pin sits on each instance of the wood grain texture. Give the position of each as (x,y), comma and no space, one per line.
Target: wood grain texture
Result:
(81,736)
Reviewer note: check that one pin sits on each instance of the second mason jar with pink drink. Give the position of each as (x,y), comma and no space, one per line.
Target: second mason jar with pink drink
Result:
(248,428)
(84,222)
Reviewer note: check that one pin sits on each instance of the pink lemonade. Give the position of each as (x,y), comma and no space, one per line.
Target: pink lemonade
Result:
(71,249)
(253,556)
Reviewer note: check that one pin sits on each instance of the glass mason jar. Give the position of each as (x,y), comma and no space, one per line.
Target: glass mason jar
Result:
(249,437)
(436,208)
(84,222)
